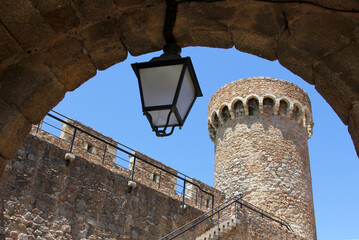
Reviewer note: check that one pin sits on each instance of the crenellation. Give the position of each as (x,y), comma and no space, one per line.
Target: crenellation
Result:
(257,103)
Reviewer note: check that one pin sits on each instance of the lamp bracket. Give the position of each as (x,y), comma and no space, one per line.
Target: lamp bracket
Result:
(170,19)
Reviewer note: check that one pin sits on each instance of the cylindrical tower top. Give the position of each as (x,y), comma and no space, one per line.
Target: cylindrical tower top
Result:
(283,97)
(260,127)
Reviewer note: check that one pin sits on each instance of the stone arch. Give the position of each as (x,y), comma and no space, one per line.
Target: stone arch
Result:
(211,130)
(296,112)
(237,107)
(224,113)
(48,52)
(253,105)
(284,105)
(269,103)
(215,120)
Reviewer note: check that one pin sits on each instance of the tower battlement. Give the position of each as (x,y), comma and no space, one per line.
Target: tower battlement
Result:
(255,96)
(260,128)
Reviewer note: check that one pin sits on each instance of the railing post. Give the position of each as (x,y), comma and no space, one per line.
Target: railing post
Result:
(38,126)
(218,222)
(194,232)
(133,168)
(159,180)
(212,202)
(73,139)
(235,209)
(104,154)
(196,195)
(183,194)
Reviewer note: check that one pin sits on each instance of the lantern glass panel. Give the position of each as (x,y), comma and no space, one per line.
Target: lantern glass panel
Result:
(159,118)
(186,95)
(159,84)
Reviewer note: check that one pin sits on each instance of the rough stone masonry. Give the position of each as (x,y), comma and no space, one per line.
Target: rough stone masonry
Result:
(260,127)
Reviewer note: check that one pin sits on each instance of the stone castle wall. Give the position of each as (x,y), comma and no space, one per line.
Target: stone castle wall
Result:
(43,197)
(149,172)
(254,226)
(260,128)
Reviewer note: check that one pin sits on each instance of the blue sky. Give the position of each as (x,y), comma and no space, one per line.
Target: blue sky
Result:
(110,103)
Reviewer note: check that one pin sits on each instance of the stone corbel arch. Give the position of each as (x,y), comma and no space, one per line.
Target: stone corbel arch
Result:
(51,47)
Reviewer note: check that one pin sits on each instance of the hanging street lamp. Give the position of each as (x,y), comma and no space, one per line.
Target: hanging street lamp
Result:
(168,88)
(168,84)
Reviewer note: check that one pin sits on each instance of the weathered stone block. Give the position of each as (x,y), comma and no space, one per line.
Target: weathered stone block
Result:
(95,10)
(353,125)
(25,23)
(103,43)
(8,45)
(13,129)
(37,90)
(2,168)
(193,19)
(58,13)
(260,45)
(142,31)
(327,32)
(68,61)
(330,86)
(294,59)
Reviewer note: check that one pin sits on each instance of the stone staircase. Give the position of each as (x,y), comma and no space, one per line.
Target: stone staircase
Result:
(215,232)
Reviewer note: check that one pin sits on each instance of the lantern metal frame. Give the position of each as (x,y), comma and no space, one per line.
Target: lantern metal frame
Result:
(170,57)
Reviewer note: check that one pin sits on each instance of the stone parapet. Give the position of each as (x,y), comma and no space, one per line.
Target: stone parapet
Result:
(259,96)
(147,171)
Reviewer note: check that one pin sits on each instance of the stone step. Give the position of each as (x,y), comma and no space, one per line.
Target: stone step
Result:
(216,232)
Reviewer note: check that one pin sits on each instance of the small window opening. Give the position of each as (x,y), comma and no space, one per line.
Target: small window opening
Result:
(296,113)
(250,111)
(225,113)
(216,120)
(155,177)
(207,203)
(239,108)
(253,106)
(283,106)
(90,148)
(268,105)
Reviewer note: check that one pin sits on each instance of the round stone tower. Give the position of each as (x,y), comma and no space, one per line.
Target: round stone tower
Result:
(260,127)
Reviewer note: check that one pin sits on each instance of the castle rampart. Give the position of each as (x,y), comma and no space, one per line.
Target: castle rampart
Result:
(44,196)
(260,127)
(101,150)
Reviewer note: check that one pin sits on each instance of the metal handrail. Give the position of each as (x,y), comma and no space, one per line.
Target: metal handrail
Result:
(265,214)
(184,178)
(212,211)
(234,200)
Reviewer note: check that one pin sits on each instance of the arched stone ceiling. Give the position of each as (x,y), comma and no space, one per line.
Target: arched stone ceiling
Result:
(49,47)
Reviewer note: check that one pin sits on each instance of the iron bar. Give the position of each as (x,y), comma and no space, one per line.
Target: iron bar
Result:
(38,126)
(129,153)
(73,139)
(212,201)
(104,154)
(218,223)
(159,180)
(133,168)
(196,219)
(183,195)
(236,199)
